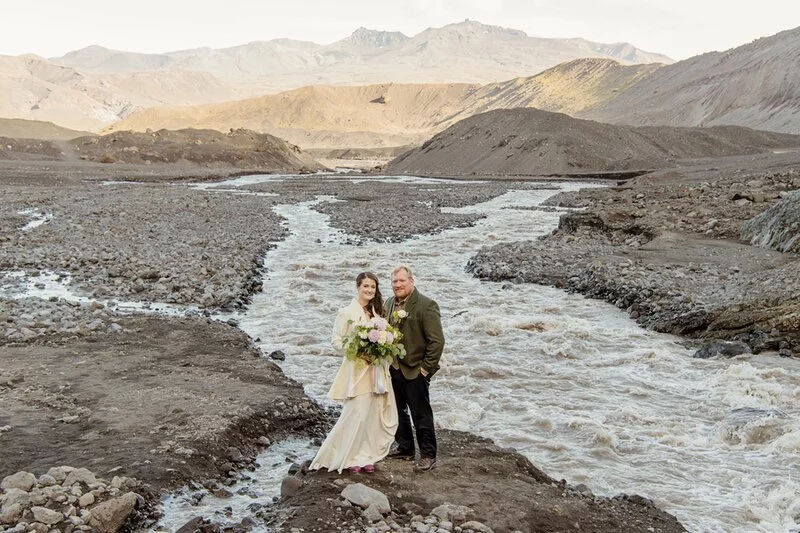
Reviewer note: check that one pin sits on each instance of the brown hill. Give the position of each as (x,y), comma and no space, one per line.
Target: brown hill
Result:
(534,142)
(40,90)
(370,116)
(241,149)
(36,129)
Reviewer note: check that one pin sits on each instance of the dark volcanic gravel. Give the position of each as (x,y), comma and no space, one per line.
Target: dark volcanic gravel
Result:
(665,247)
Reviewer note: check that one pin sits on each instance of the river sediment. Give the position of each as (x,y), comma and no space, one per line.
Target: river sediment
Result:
(667,248)
(200,386)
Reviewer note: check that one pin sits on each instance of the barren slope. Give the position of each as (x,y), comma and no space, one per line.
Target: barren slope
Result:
(39,90)
(324,117)
(755,85)
(35,129)
(535,142)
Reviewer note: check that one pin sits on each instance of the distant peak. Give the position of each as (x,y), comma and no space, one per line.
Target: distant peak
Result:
(473,26)
(366,37)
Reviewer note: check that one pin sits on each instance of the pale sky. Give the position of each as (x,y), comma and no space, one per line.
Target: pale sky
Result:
(677,28)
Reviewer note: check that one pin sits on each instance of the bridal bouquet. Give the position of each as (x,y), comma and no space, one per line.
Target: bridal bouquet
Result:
(375,341)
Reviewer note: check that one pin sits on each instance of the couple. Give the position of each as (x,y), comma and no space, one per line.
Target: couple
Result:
(377,399)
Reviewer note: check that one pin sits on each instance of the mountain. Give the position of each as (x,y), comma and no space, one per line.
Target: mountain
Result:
(36,89)
(755,85)
(468,52)
(532,142)
(376,116)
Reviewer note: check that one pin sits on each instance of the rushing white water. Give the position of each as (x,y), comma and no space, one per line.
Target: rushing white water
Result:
(37,218)
(18,284)
(572,383)
(257,489)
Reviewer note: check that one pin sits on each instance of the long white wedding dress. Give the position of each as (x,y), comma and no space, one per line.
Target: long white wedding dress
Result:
(365,429)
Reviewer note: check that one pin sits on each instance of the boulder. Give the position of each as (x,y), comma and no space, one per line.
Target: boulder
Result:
(46,516)
(722,348)
(364,496)
(21,480)
(110,516)
(778,227)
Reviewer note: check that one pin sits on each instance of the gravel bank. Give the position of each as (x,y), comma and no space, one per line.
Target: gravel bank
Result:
(174,400)
(142,242)
(388,211)
(665,247)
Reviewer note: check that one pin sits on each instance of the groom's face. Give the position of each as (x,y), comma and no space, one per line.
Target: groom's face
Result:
(402,284)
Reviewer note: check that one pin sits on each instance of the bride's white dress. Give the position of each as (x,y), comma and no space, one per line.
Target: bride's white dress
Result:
(365,429)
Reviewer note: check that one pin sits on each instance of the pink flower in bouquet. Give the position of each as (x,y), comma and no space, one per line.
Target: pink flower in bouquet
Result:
(389,338)
(380,323)
(374,335)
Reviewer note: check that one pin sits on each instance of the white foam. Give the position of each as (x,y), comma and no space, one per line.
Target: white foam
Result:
(585,393)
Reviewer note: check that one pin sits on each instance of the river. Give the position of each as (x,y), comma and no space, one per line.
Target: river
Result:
(572,383)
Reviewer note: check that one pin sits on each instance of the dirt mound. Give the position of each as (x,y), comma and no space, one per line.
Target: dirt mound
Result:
(513,495)
(36,129)
(532,142)
(163,400)
(240,148)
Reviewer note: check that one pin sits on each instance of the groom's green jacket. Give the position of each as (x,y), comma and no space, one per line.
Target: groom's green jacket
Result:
(422,335)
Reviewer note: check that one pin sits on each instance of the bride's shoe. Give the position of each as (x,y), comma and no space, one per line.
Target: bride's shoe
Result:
(369,469)
(354,469)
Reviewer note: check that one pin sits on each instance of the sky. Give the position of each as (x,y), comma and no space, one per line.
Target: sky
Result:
(676,28)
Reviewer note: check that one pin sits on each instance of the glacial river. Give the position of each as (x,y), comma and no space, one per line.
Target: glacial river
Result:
(572,383)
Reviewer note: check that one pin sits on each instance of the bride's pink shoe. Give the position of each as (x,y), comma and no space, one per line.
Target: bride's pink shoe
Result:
(354,469)
(369,469)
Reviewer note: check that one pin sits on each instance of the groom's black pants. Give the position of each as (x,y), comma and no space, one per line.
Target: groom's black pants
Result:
(412,396)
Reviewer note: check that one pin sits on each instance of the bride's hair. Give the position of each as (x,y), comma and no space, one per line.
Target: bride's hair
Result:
(377,301)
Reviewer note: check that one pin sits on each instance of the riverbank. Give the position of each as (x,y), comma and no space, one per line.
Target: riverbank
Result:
(666,247)
(166,401)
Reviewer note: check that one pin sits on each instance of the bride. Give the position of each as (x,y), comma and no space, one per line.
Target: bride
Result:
(365,430)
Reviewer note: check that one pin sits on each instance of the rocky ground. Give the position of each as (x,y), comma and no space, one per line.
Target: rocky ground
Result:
(162,401)
(390,211)
(465,493)
(667,247)
(147,404)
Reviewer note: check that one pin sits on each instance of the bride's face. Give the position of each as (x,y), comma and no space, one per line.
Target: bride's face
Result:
(366,290)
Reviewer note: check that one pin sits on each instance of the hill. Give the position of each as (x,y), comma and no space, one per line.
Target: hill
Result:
(532,142)
(36,129)
(241,149)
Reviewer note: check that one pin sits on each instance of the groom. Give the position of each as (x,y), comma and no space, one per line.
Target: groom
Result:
(417,317)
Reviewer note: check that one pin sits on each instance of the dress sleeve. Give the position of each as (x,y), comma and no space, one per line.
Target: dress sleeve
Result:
(340,326)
